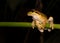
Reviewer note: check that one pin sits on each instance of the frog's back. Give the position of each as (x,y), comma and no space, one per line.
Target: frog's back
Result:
(40,13)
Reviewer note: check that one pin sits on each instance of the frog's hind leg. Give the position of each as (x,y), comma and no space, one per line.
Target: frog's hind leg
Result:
(40,27)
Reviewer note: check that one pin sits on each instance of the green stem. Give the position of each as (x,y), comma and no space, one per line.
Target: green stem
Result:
(23,24)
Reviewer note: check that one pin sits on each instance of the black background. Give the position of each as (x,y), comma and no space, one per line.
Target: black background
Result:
(16,11)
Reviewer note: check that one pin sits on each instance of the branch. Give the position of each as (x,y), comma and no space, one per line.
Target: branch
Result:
(23,24)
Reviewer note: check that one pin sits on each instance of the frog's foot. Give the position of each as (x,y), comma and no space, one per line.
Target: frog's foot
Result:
(52,28)
(32,27)
(41,30)
(49,30)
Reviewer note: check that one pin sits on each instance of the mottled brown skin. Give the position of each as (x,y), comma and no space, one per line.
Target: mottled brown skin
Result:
(38,24)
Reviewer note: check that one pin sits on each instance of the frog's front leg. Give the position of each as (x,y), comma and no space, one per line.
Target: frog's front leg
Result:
(33,24)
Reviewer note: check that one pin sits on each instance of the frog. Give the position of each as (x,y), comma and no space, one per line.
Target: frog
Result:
(39,20)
